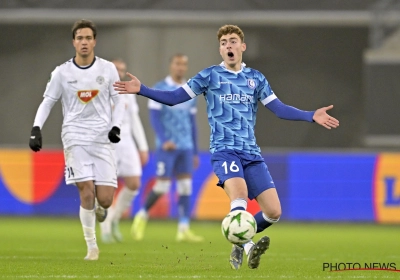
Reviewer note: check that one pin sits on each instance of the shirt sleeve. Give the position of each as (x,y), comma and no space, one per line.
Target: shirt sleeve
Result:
(54,87)
(43,111)
(264,91)
(51,95)
(198,84)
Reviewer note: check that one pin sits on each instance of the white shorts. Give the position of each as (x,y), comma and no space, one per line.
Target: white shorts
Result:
(128,160)
(91,163)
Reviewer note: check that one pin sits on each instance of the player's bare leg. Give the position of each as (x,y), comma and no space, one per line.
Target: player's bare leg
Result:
(184,189)
(110,227)
(88,218)
(104,199)
(270,204)
(270,213)
(236,189)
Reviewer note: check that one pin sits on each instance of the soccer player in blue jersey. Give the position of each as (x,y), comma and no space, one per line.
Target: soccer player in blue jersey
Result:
(176,152)
(232,92)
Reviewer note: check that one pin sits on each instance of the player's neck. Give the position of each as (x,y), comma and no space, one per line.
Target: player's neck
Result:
(178,80)
(84,61)
(233,67)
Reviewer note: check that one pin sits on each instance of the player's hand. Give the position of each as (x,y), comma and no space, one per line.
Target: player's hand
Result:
(132,86)
(114,134)
(196,161)
(35,142)
(169,146)
(322,118)
(144,157)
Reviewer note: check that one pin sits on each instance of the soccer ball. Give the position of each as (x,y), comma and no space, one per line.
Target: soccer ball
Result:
(239,227)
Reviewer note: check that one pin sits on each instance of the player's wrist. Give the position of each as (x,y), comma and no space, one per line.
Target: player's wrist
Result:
(114,134)
(117,129)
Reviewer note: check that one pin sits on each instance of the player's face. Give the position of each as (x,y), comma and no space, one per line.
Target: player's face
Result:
(231,49)
(84,42)
(179,67)
(121,68)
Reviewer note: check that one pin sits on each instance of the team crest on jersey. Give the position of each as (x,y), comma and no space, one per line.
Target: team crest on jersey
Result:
(87,95)
(251,83)
(100,80)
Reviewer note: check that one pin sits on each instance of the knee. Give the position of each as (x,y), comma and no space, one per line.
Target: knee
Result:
(274,214)
(133,184)
(105,202)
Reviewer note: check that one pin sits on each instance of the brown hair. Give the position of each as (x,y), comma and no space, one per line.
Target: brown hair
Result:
(230,29)
(84,23)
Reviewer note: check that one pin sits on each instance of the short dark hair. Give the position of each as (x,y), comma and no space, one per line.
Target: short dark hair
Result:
(84,23)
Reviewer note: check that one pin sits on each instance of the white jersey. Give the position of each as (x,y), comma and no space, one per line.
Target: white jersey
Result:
(131,108)
(132,127)
(86,95)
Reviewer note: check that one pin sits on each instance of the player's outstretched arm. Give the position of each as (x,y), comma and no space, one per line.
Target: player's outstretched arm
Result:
(287,112)
(163,96)
(322,118)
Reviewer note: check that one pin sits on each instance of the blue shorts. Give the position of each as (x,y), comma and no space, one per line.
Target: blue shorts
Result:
(175,162)
(252,168)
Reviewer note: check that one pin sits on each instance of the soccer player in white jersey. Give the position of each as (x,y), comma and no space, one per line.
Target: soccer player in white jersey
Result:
(85,86)
(232,92)
(176,152)
(129,162)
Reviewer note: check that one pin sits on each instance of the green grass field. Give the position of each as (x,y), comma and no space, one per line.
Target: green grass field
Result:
(47,248)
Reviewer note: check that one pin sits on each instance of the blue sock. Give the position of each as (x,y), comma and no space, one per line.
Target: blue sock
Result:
(261,222)
(238,208)
(184,209)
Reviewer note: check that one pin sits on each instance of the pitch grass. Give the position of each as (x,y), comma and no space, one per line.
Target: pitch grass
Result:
(47,248)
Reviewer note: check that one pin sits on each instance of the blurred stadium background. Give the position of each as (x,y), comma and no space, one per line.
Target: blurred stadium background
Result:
(313,52)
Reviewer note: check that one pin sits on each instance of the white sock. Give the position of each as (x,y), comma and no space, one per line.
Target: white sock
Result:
(248,246)
(123,202)
(239,203)
(270,220)
(88,221)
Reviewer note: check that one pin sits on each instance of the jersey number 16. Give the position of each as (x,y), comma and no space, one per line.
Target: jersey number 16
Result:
(233,167)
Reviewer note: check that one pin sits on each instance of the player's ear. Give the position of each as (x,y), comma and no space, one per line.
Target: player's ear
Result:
(244,47)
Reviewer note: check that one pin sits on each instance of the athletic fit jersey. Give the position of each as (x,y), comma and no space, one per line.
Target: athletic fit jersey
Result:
(176,120)
(232,101)
(85,94)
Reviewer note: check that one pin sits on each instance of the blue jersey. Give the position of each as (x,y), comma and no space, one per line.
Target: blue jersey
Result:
(232,102)
(175,122)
